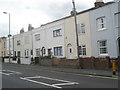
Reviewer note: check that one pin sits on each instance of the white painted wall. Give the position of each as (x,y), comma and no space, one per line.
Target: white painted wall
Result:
(70,35)
(46,37)
(110,34)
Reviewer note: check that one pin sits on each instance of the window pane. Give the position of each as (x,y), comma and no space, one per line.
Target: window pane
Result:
(101,23)
(58,51)
(37,37)
(57,33)
(103,47)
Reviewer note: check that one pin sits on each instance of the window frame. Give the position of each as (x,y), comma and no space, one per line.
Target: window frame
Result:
(103,46)
(58,51)
(101,21)
(57,33)
(37,37)
(82,50)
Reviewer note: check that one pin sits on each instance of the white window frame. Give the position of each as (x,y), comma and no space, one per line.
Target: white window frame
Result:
(101,21)
(37,37)
(81,28)
(26,53)
(82,50)
(37,52)
(102,44)
(57,33)
(117,20)
(18,42)
(58,51)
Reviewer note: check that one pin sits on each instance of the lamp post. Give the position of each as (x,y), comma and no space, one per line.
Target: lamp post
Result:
(77,41)
(9,35)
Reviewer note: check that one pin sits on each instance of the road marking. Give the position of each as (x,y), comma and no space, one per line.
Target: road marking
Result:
(13,72)
(51,85)
(9,72)
(4,73)
(40,83)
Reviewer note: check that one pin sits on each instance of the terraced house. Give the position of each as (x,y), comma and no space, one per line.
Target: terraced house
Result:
(3,47)
(98,35)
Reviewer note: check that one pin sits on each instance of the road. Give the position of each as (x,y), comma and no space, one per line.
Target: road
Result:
(26,76)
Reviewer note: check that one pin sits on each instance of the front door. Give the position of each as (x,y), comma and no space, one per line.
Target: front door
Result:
(69,51)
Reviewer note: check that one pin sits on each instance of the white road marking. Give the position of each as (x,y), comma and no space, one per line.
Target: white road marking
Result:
(40,83)
(70,83)
(5,73)
(51,85)
(9,72)
(13,71)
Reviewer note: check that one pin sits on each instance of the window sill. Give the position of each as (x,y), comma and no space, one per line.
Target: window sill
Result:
(103,55)
(57,36)
(82,34)
(104,29)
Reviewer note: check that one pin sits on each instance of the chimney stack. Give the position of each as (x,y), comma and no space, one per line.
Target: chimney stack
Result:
(99,3)
(30,27)
(22,30)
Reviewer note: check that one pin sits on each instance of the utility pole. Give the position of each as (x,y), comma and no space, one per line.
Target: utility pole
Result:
(77,41)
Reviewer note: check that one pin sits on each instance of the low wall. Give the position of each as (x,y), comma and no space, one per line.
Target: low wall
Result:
(25,60)
(87,63)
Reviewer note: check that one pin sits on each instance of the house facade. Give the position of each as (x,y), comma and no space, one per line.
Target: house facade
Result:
(49,40)
(10,45)
(83,30)
(3,47)
(98,31)
(23,47)
(105,31)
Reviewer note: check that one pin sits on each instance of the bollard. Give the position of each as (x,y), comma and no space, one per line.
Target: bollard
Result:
(114,68)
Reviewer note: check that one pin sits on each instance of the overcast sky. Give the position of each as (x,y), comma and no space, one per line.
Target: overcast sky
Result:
(36,12)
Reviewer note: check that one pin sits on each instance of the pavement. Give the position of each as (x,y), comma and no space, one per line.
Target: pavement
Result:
(95,72)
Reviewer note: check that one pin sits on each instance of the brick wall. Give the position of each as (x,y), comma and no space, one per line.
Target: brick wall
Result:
(88,63)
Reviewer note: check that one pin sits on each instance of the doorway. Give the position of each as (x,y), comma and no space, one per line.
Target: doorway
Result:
(69,51)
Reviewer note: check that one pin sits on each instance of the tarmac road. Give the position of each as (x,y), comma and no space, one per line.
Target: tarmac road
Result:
(26,76)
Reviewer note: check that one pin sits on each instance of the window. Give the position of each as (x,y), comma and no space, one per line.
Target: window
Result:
(37,37)
(81,28)
(57,33)
(4,44)
(37,52)
(82,50)
(15,53)
(26,52)
(49,52)
(18,54)
(58,51)
(26,38)
(102,47)
(101,23)
(31,52)
(117,24)
(18,42)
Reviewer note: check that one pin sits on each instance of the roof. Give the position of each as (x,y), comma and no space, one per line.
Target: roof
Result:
(93,8)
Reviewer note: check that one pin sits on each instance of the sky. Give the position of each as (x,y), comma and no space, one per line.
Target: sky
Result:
(36,12)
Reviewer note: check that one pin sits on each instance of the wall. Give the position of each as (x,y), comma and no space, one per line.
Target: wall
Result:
(70,34)
(3,47)
(23,44)
(46,37)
